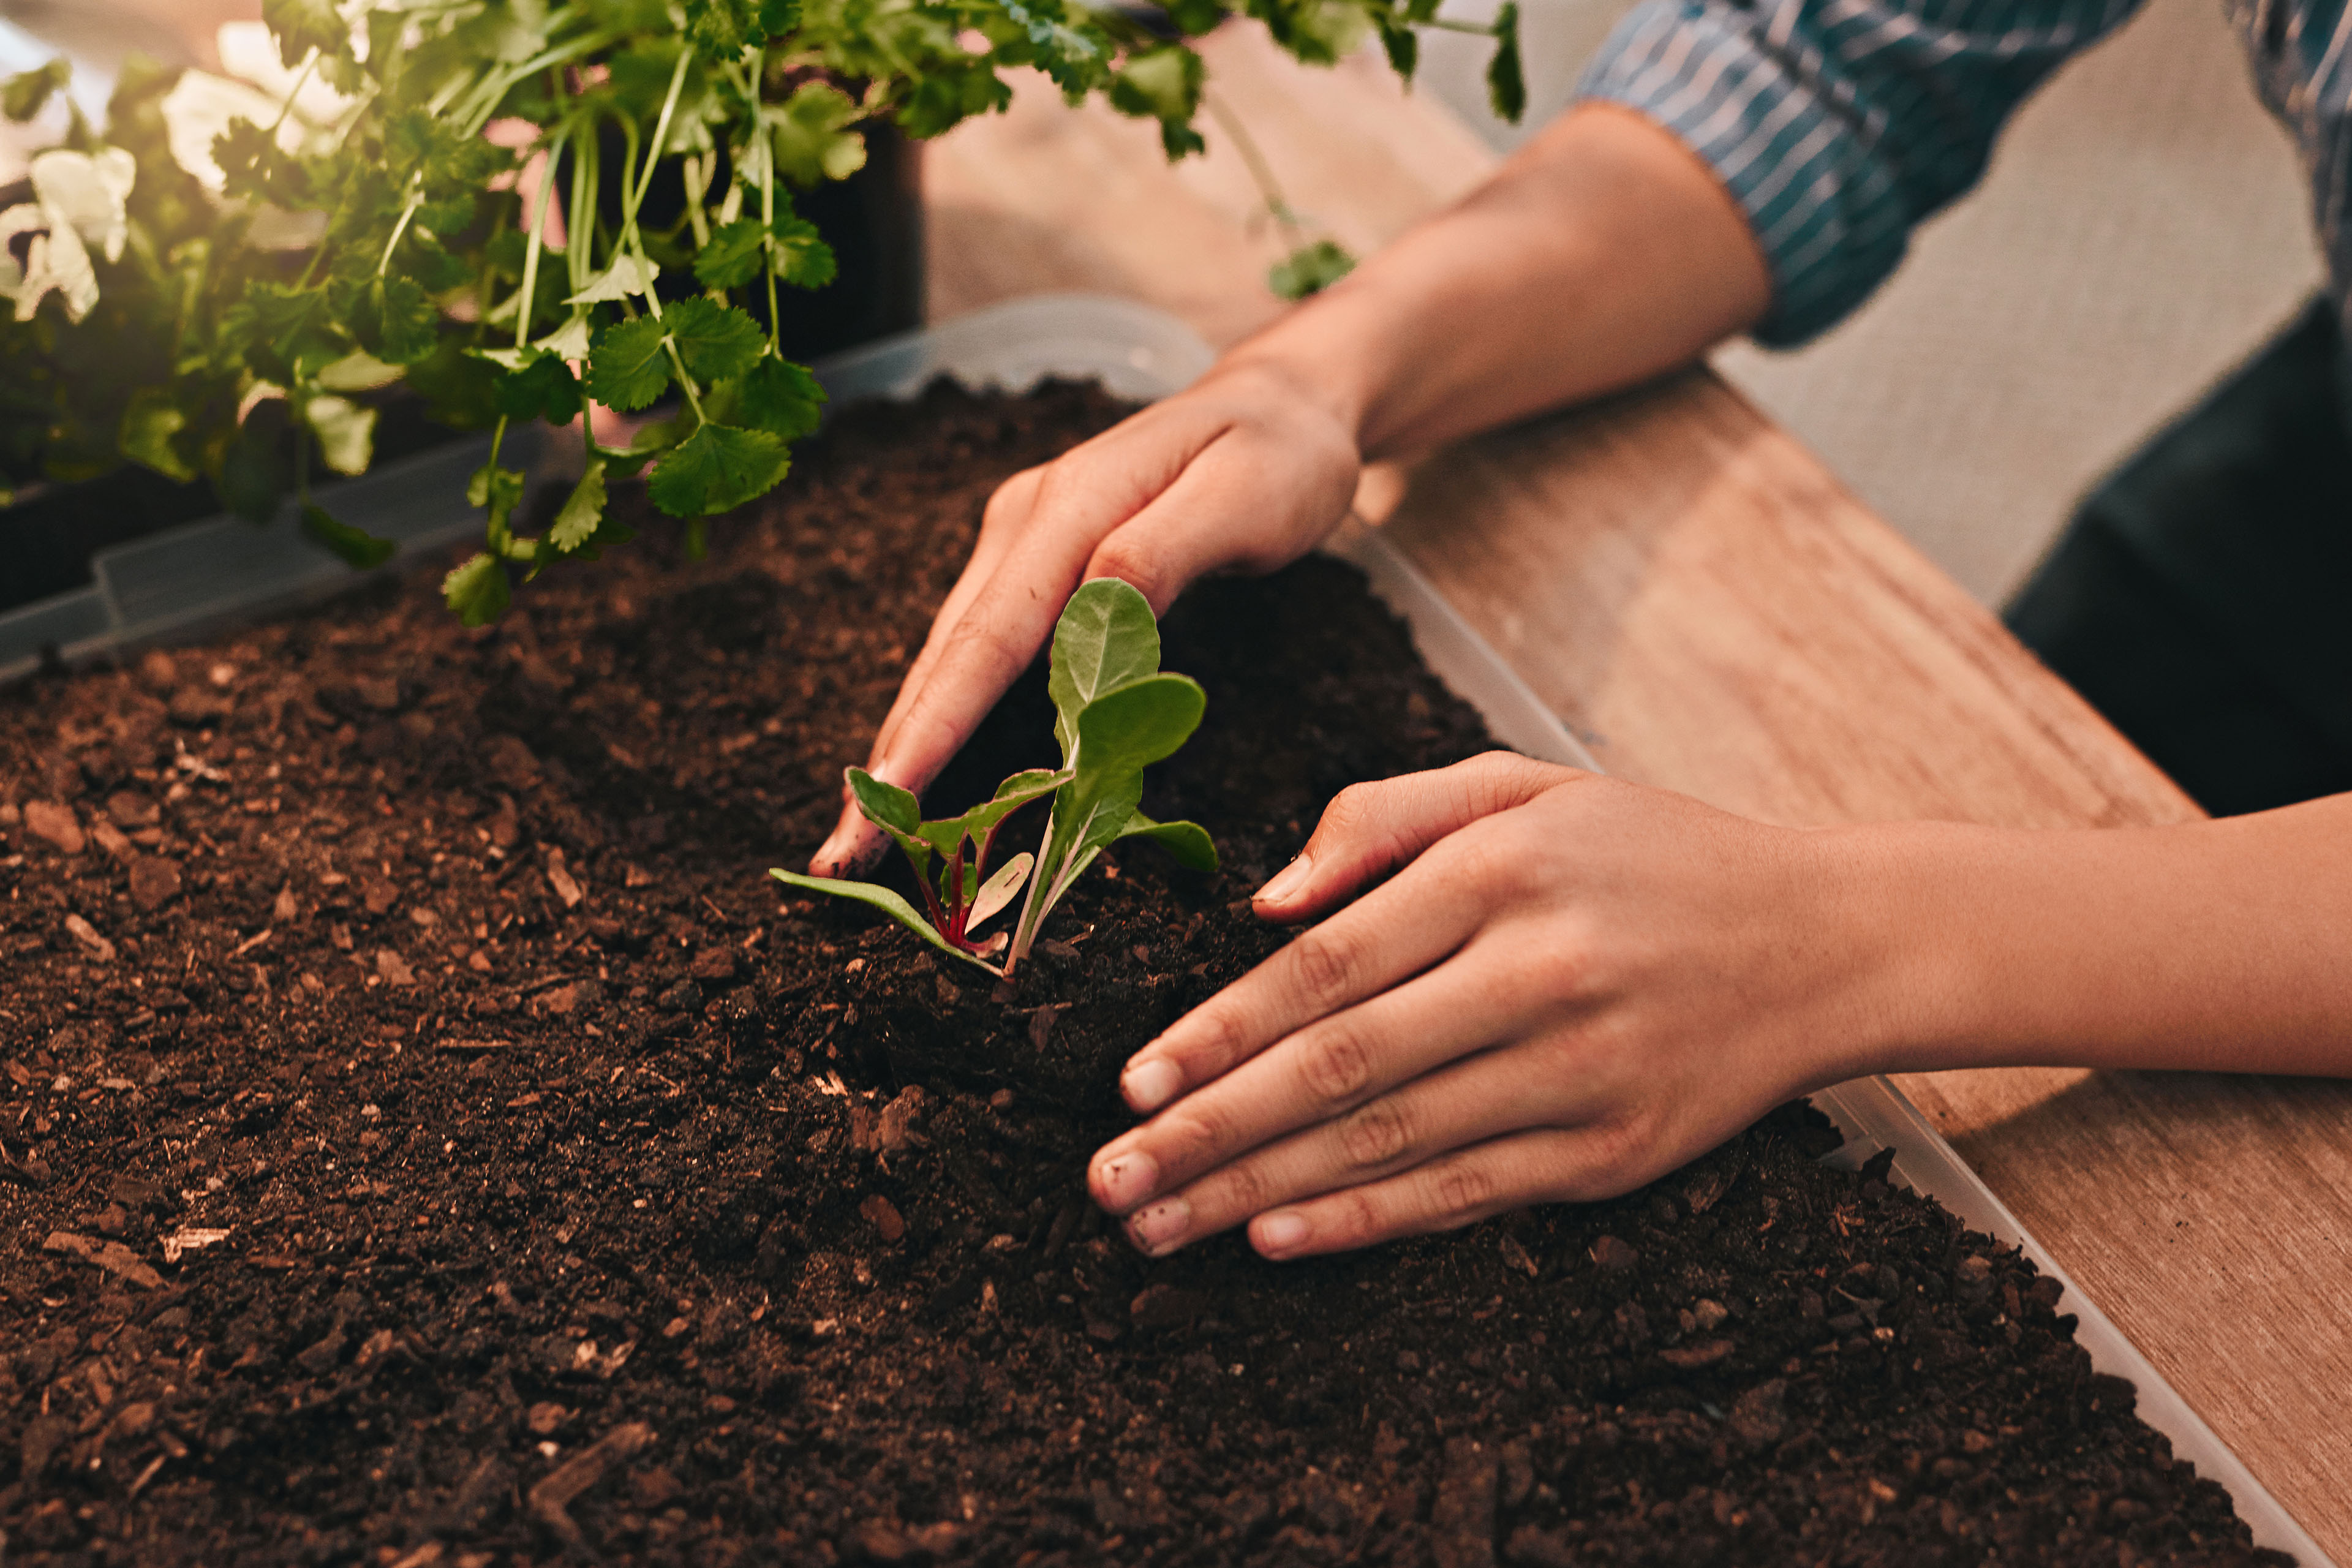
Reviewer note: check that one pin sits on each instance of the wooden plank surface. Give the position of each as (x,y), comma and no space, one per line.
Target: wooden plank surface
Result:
(1713,612)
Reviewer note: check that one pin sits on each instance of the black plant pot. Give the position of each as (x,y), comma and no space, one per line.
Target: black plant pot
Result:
(874,220)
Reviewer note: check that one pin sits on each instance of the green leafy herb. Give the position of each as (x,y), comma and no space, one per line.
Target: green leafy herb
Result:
(1309,269)
(1115,714)
(235,285)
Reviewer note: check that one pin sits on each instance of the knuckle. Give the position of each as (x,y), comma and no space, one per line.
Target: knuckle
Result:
(1376,1134)
(1196,1134)
(1130,560)
(1243,1190)
(1460,1190)
(1351,810)
(1335,1064)
(1326,963)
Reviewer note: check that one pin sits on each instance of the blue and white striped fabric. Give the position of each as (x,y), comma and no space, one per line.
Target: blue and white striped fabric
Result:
(1840,124)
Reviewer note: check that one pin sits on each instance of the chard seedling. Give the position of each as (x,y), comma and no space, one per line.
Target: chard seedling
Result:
(1115,713)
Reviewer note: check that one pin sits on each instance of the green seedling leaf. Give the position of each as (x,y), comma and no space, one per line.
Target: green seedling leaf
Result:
(1309,269)
(717,468)
(998,891)
(1106,638)
(717,343)
(980,821)
(477,590)
(888,903)
(1120,734)
(360,548)
(895,812)
(629,368)
(1188,842)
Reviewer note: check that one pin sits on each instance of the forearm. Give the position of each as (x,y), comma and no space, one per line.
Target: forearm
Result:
(2224,945)
(1602,254)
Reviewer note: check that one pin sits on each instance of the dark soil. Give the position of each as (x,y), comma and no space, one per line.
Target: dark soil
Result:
(429,1140)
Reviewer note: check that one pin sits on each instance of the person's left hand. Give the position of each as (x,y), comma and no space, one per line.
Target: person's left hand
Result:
(1573,985)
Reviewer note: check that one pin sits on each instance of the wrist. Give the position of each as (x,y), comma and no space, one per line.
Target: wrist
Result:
(1914,913)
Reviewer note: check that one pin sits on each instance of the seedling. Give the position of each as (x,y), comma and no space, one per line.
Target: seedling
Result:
(1114,715)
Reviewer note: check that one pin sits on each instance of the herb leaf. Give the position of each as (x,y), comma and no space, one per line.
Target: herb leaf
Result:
(782,398)
(717,342)
(476,590)
(629,369)
(717,468)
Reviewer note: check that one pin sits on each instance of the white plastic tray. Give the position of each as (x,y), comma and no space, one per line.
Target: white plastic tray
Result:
(1142,353)
(175,582)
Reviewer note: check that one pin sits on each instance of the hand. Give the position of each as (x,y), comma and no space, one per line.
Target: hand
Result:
(1244,471)
(1573,985)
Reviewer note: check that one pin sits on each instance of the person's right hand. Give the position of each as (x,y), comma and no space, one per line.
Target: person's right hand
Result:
(1247,470)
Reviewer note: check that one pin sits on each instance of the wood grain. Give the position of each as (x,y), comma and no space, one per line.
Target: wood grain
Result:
(1713,613)
(1694,592)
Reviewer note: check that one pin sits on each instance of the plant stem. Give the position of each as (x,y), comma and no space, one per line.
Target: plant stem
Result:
(1277,206)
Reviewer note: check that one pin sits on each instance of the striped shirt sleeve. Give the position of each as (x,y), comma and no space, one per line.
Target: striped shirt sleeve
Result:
(1838,124)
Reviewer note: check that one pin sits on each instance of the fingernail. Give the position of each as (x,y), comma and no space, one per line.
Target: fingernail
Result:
(1127,1181)
(1279,1232)
(1150,1084)
(1286,881)
(1159,1228)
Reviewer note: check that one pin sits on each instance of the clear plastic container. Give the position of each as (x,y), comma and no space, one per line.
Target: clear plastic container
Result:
(1142,353)
(176,582)
(173,583)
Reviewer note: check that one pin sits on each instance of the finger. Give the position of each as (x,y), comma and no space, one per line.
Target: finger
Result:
(1432,908)
(855,843)
(1350,1060)
(1007,611)
(1550,1165)
(1370,829)
(1222,514)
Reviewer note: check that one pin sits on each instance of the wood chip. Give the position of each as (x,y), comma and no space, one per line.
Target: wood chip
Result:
(190,1238)
(46,819)
(110,1256)
(393,968)
(1707,1353)
(112,839)
(559,879)
(85,933)
(553,1495)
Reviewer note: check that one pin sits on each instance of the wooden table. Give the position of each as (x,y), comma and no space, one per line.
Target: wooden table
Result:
(1698,597)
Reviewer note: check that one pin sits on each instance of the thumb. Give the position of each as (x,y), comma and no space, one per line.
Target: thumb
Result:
(1370,829)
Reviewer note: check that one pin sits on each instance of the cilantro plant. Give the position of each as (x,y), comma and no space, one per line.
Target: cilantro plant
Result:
(452,193)
(1115,713)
